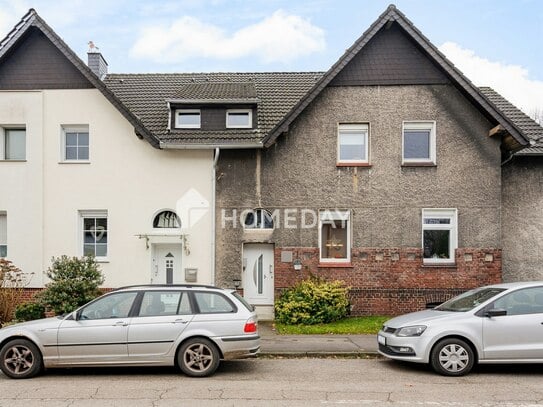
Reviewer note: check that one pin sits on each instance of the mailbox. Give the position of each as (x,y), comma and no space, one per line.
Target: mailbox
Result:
(191,275)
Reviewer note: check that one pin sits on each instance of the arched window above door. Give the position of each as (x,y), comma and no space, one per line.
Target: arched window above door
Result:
(166,220)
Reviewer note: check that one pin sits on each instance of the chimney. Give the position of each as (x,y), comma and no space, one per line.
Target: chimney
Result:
(97,63)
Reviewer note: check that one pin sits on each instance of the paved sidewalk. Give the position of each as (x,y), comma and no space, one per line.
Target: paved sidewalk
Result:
(273,344)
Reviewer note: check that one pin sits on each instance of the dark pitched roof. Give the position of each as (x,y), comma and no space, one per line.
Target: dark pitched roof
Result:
(217,92)
(147,94)
(526,124)
(32,20)
(393,15)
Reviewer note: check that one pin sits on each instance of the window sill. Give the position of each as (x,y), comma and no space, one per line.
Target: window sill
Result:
(75,162)
(419,164)
(340,164)
(439,265)
(336,265)
(101,259)
(13,161)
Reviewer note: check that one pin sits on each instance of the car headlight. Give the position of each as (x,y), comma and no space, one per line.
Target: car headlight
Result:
(415,330)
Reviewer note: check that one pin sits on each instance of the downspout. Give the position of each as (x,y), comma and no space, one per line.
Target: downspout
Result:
(213,214)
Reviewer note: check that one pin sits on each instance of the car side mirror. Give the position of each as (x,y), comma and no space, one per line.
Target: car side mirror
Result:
(495,312)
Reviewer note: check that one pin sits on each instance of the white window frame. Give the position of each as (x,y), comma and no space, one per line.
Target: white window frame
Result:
(420,125)
(4,232)
(3,129)
(249,118)
(352,128)
(452,227)
(75,128)
(326,216)
(85,214)
(180,112)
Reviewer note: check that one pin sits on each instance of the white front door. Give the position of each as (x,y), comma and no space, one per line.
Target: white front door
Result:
(167,264)
(258,283)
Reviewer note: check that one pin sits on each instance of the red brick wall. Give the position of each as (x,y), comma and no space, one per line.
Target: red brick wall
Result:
(392,281)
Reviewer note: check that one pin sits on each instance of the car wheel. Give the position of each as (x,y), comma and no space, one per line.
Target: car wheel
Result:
(452,357)
(198,357)
(20,359)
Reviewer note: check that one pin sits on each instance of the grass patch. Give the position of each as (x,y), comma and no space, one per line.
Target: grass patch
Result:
(353,325)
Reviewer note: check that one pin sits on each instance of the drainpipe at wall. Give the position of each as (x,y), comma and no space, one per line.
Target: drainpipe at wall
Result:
(213,214)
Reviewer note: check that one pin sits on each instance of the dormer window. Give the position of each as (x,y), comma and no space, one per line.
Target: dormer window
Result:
(187,118)
(239,119)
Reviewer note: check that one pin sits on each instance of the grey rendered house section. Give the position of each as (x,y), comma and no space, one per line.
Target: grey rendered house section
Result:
(522,195)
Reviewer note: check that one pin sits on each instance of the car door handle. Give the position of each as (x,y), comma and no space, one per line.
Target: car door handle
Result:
(180,321)
(120,323)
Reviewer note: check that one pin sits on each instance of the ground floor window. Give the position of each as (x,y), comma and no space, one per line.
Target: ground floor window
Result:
(439,235)
(3,235)
(95,233)
(335,236)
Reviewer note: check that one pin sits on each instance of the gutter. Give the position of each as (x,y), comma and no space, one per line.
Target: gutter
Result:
(170,146)
(213,215)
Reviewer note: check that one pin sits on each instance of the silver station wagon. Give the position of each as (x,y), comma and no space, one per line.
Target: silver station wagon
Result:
(494,324)
(192,327)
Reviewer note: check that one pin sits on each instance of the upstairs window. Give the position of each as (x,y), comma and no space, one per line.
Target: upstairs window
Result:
(335,236)
(419,143)
(353,144)
(75,143)
(187,118)
(12,144)
(239,119)
(3,235)
(439,235)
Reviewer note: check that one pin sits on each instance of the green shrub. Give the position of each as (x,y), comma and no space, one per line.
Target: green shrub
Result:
(74,282)
(29,311)
(313,301)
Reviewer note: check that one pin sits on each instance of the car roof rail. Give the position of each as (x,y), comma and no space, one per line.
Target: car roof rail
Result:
(167,286)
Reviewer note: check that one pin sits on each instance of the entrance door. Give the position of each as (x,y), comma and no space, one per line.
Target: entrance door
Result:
(167,264)
(258,283)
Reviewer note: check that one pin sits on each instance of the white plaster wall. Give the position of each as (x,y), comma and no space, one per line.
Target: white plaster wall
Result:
(125,176)
(21,192)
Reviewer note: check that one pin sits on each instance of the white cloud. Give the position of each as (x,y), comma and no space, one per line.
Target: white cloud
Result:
(511,81)
(278,38)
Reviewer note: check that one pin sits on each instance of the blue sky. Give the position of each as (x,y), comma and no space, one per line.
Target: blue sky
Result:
(494,42)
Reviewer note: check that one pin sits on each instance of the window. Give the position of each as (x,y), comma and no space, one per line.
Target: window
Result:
(419,143)
(75,143)
(335,236)
(439,235)
(239,119)
(166,220)
(353,143)
(3,235)
(156,303)
(95,234)
(12,144)
(521,302)
(187,119)
(258,219)
(212,303)
(112,306)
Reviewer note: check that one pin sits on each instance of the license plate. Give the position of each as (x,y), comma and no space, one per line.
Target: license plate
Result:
(381,339)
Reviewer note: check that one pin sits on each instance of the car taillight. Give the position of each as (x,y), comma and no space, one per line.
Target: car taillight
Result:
(250,327)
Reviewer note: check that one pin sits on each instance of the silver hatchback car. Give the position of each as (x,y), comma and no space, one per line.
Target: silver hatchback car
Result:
(494,324)
(192,327)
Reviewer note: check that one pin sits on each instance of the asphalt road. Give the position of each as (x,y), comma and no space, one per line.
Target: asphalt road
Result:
(280,382)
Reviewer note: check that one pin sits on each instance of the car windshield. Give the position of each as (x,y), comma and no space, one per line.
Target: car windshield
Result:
(469,300)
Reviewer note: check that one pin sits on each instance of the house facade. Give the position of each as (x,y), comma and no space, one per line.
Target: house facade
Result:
(390,171)
(81,175)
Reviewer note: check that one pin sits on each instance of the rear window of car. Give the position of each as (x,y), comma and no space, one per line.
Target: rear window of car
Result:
(155,303)
(213,303)
(243,301)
